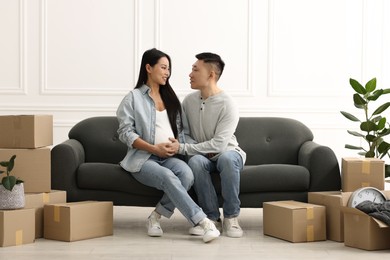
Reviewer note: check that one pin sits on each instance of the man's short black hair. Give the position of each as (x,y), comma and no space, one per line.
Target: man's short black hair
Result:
(214,59)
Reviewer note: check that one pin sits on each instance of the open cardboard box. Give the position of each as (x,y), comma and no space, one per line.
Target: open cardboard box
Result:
(364,232)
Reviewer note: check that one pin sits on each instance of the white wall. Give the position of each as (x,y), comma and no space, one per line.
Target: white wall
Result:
(289,58)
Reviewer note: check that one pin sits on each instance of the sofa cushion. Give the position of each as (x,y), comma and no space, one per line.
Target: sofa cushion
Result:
(99,138)
(275,178)
(111,177)
(271,140)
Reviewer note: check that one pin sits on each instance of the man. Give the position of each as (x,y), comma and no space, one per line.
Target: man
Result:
(213,117)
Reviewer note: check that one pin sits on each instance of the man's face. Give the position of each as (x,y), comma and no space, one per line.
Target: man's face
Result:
(200,75)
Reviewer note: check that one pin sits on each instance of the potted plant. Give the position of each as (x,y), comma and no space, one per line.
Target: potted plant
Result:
(11,188)
(374,127)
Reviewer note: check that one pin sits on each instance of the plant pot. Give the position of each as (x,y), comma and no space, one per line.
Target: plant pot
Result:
(12,199)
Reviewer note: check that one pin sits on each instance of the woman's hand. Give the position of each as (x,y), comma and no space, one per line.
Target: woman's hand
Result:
(165,150)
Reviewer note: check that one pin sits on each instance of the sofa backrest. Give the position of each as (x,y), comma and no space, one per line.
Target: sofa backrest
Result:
(100,139)
(271,140)
(266,140)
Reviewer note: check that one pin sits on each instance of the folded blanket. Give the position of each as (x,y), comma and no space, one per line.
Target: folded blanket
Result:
(379,211)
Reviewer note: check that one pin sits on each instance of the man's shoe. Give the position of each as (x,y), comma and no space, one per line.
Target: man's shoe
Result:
(232,228)
(210,231)
(154,228)
(199,231)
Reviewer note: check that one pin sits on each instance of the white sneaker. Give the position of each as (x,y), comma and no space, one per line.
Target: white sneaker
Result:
(231,227)
(210,232)
(154,228)
(199,231)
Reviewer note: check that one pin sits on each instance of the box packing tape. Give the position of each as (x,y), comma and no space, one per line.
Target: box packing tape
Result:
(45,198)
(366,170)
(309,228)
(309,213)
(18,237)
(366,167)
(310,233)
(57,214)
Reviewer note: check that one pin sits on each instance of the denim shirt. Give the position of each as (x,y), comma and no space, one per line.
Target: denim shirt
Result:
(137,119)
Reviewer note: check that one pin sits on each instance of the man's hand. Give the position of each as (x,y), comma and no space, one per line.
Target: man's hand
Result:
(175,144)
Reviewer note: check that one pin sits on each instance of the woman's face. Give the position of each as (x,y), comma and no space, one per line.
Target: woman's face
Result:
(159,73)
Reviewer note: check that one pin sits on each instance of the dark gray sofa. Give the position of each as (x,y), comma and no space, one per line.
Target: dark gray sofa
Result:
(283,163)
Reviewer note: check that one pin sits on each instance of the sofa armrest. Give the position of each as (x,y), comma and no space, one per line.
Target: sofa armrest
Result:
(323,166)
(66,158)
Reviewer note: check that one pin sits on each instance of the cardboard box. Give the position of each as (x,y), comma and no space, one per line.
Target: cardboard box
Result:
(294,221)
(26,131)
(364,232)
(33,166)
(78,220)
(17,227)
(333,202)
(362,172)
(37,201)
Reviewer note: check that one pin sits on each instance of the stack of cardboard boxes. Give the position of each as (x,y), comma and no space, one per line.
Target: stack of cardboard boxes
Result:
(46,213)
(350,225)
(327,216)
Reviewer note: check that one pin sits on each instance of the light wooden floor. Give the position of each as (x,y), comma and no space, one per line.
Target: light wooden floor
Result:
(131,242)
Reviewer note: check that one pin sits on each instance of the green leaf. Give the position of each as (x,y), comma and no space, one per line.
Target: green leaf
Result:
(358,101)
(382,123)
(370,138)
(357,86)
(386,91)
(381,108)
(386,131)
(383,148)
(371,85)
(352,147)
(387,170)
(368,126)
(374,96)
(354,133)
(4,164)
(11,163)
(9,182)
(376,119)
(350,116)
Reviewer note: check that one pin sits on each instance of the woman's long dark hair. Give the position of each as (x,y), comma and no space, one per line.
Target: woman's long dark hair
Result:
(168,96)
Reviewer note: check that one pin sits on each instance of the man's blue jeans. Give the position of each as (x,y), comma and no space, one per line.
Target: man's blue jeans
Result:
(174,177)
(229,165)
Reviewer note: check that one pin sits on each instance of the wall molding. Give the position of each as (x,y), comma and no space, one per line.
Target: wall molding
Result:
(249,90)
(21,87)
(45,89)
(272,90)
(59,108)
